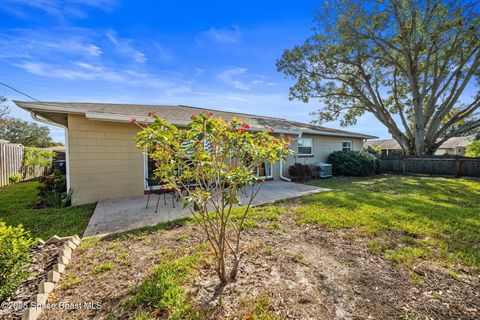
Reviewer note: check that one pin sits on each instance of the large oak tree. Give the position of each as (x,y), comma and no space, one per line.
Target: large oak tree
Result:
(414,64)
(26,133)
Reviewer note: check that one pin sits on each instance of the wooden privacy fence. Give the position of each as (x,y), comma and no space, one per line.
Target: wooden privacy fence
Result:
(450,166)
(11,161)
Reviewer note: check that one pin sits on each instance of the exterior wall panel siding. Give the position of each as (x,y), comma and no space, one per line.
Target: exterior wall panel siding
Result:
(322,147)
(104,162)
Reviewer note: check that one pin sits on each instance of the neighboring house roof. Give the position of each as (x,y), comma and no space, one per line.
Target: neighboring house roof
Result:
(385,144)
(455,142)
(176,114)
(392,144)
(55,148)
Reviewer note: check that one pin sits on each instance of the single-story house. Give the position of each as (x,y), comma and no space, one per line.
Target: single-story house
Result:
(454,146)
(103,161)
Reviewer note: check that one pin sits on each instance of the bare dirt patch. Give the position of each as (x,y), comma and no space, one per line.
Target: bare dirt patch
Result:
(294,272)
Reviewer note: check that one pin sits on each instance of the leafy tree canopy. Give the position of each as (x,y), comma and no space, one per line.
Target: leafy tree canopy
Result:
(27,133)
(407,62)
(473,149)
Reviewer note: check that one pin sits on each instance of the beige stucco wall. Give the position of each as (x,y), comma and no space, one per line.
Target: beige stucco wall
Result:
(322,147)
(104,162)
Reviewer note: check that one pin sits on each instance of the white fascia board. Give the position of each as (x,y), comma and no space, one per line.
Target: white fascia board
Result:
(48,108)
(338,134)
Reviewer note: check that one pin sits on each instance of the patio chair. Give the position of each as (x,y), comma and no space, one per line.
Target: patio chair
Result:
(162,189)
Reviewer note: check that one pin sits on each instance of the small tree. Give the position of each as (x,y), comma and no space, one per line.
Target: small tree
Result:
(218,159)
(35,158)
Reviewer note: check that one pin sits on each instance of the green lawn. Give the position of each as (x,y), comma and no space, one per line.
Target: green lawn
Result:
(408,218)
(16,202)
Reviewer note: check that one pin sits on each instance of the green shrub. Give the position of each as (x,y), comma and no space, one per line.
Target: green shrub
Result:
(52,182)
(53,190)
(376,151)
(300,172)
(15,243)
(57,199)
(15,178)
(354,163)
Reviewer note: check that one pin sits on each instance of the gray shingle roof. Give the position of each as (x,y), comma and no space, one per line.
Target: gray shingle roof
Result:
(176,113)
(392,144)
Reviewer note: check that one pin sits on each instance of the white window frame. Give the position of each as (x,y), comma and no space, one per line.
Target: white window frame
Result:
(305,154)
(268,176)
(145,170)
(351,145)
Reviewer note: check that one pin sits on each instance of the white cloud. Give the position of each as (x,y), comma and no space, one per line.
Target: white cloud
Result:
(29,43)
(227,77)
(55,8)
(239,79)
(85,71)
(199,71)
(222,35)
(73,45)
(125,47)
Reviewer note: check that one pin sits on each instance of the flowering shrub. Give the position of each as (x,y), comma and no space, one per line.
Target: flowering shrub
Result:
(208,163)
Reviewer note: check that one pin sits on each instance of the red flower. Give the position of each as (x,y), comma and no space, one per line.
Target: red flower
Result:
(133,120)
(245,125)
(242,130)
(208,113)
(193,117)
(152,113)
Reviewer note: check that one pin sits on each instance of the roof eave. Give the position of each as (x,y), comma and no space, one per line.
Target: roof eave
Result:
(100,116)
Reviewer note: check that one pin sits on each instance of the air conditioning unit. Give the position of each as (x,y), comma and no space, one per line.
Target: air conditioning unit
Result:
(321,170)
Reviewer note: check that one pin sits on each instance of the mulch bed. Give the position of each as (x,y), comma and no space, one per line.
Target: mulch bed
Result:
(306,272)
(44,256)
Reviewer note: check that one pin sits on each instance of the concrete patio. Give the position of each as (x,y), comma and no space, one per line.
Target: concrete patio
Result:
(118,215)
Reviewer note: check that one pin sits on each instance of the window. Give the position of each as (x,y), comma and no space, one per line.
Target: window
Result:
(305,146)
(347,146)
(264,170)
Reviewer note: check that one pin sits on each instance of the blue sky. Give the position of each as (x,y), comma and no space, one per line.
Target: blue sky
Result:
(216,54)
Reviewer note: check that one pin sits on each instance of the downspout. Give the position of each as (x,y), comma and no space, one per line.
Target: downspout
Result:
(281,163)
(67,157)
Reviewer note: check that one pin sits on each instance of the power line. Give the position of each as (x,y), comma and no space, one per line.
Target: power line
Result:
(22,93)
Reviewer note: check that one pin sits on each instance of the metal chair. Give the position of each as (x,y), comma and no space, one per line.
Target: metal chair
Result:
(162,189)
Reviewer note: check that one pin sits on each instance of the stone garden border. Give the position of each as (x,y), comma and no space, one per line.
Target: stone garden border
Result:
(38,301)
